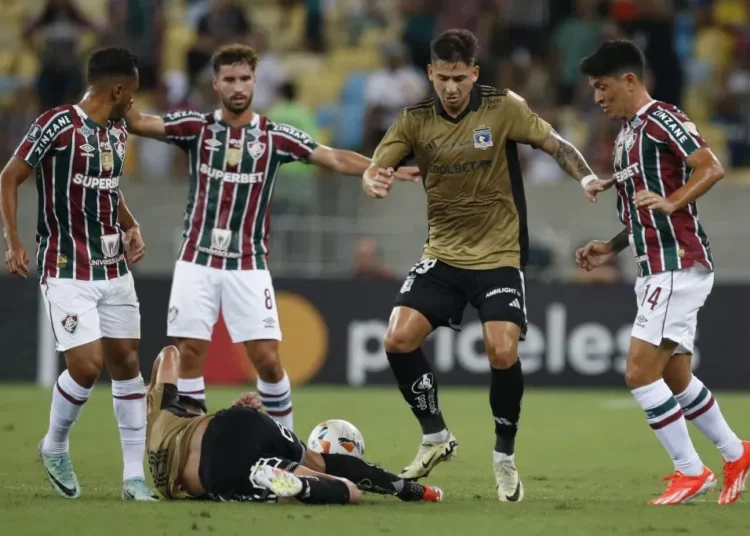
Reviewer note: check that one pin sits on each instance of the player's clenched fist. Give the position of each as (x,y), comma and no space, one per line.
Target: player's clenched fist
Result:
(593,254)
(135,247)
(16,259)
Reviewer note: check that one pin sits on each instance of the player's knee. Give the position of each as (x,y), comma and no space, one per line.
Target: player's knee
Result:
(400,341)
(636,377)
(268,365)
(85,372)
(502,354)
(192,355)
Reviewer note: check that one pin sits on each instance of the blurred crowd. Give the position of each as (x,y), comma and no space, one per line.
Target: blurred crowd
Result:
(344,69)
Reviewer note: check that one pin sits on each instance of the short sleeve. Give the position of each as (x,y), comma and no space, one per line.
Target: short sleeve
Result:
(291,144)
(397,144)
(673,128)
(525,125)
(43,135)
(182,128)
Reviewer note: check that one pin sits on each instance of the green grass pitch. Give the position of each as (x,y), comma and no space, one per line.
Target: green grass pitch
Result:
(588,460)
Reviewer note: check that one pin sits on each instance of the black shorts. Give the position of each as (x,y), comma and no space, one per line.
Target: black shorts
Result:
(440,292)
(235,441)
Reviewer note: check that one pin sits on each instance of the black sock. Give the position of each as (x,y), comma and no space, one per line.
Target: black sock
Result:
(506,392)
(366,476)
(418,386)
(322,491)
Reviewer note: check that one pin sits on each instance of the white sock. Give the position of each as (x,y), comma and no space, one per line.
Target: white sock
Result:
(498,457)
(665,417)
(67,402)
(277,399)
(192,387)
(700,407)
(129,400)
(438,437)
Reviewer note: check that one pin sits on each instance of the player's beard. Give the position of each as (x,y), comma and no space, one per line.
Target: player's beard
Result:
(235,108)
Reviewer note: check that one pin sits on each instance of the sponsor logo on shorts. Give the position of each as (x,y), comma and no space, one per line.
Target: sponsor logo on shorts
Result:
(641,321)
(269,322)
(70,323)
(172,315)
(503,290)
(423,384)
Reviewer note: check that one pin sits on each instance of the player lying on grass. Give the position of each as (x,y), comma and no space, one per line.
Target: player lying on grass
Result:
(241,454)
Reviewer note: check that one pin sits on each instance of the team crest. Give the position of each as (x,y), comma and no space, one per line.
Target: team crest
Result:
(110,245)
(630,141)
(107,161)
(70,323)
(120,149)
(482,138)
(234,156)
(221,239)
(256,149)
(618,152)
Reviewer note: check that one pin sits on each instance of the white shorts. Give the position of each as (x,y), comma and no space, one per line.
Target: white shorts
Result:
(668,305)
(245,297)
(85,311)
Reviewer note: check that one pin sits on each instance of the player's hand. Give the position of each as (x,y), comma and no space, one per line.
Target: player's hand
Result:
(596,186)
(248,400)
(16,258)
(135,247)
(653,201)
(594,254)
(408,173)
(379,185)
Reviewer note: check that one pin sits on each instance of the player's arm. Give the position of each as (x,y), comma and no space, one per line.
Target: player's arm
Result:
(707,171)
(527,127)
(146,125)
(135,247)
(596,252)
(395,147)
(16,171)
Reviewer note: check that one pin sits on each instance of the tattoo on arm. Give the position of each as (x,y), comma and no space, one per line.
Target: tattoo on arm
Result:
(620,241)
(568,157)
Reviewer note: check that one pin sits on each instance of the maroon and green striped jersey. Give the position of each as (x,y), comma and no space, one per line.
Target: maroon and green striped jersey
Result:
(650,154)
(232,174)
(78,167)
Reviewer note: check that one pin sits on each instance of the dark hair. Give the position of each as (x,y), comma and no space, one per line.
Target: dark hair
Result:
(111,62)
(231,54)
(455,46)
(615,57)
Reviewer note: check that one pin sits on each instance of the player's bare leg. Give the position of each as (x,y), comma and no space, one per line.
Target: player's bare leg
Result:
(70,393)
(407,330)
(644,377)
(193,353)
(369,477)
(701,408)
(129,402)
(506,391)
(274,389)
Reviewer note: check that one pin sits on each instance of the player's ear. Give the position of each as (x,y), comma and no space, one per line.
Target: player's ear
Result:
(215,83)
(475,73)
(429,71)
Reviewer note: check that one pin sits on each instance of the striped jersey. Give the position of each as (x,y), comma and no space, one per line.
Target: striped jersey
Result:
(78,167)
(232,174)
(650,154)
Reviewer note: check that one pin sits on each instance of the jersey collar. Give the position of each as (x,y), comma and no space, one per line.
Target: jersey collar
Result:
(475,101)
(643,110)
(219,119)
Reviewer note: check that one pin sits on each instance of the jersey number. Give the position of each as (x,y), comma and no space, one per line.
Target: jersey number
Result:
(653,299)
(269,301)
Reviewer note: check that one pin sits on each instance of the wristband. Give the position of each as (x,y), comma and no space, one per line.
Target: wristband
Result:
(587,180)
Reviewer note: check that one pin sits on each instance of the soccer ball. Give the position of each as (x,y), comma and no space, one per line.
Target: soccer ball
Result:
(336,436)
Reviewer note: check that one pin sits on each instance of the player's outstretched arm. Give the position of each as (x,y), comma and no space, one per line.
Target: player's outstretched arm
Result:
(574,164)
(146,125)
(707,171)
(16,257)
